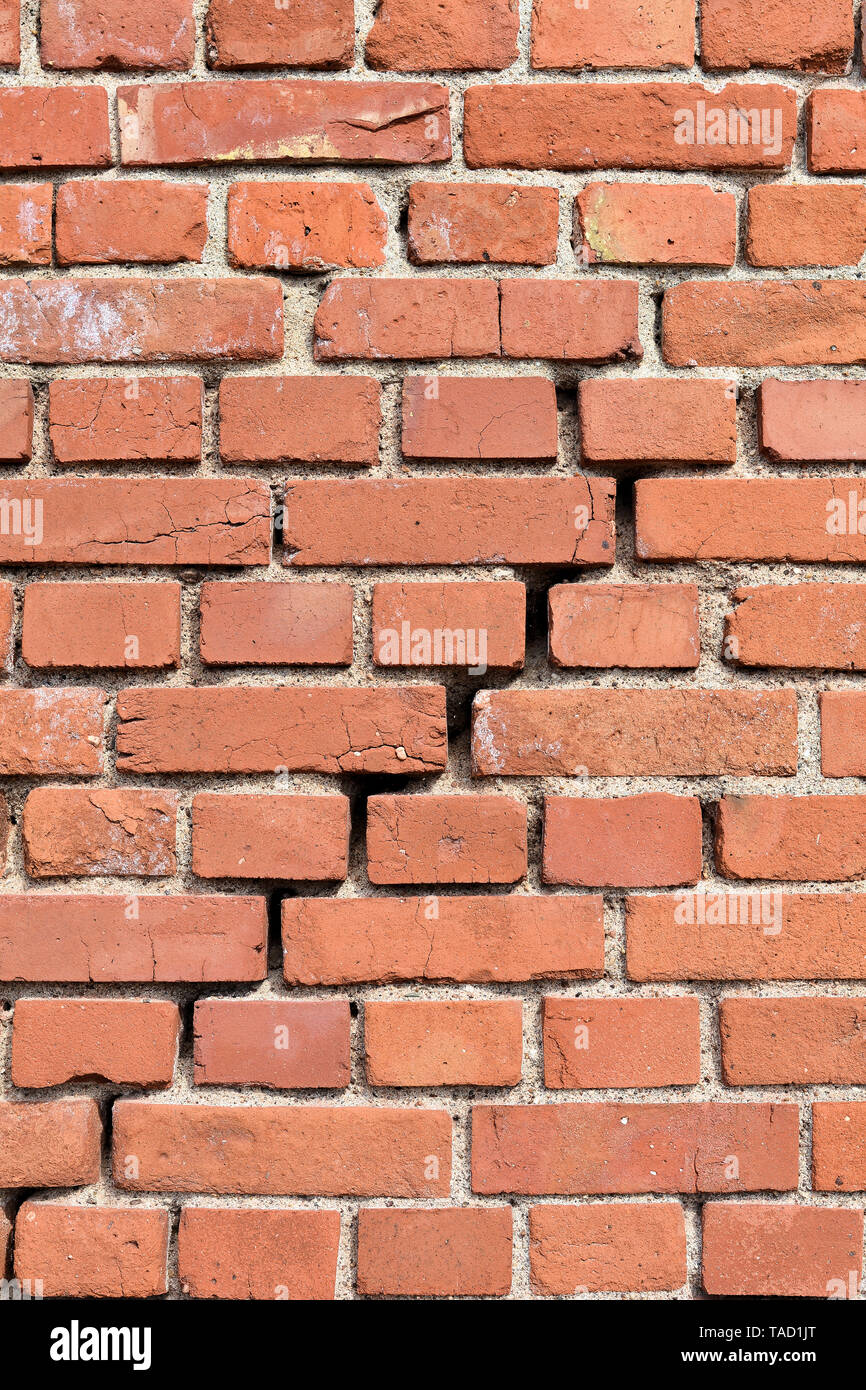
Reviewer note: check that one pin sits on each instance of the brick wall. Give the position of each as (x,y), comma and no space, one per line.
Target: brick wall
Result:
(432,716)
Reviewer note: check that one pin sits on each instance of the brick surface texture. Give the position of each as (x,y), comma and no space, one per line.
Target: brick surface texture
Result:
(432,648)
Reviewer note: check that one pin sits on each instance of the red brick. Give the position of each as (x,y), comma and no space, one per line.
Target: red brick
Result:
(471,418)
(290,122)
(605,1247)
(809,1041)
(479,521)
(305,226)
(407,36)
(629,733)
(51,732)
(806,225)
(813,421)
(137,521)
(130,939)
(296,728)
(309,1150)
(25,224)
(746,935)
(126,420)
(134,220)
(593,1044)
(799,625)
(16,421)
(52,1143)
(649,224)
(839,1146)
(619,34)
(138,320)
(843,733)
(664,422)
(478,624)
(341,941)
(100,626)
(836,131)
(261,836)
(71,831)
(256,34)
(129,1042)
(453,1252)
(54,127)
(569,319)
(804,519)
(763,1249)
(258,1253)
(443,1042)
(630,125)
(453,223)
(270,624)
(631,625)
(373,319)
(445,839)
(776,34)
(276,1043)
(117,33)
(764,323)
(606,1148)
(93,1252)
(797,838)
(299,419)
(10,56)
(648,841)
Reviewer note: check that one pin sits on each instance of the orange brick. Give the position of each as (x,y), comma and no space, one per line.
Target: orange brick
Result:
(788,1041)
(51,732)
(638,626)
(448,1042)
(648,841)
(53,1143)
(843,733)
(119,34)
(137,220)
(594,1044)
(666,422)
(570,320)
(117,831)
(813,421)
(798,625)
(261,836)
(54,128)
(258,1254)
(764,323)
(761,1249)
(482,222)
(25,223)
(100,626)
(408,37)
(299,419)
(448,1253)
(801,224)
(797,838)
(16,421)
(445,839)
(839,1146)
(93,1252)
(774,34)
(621,34)
(129,1042)
(126,420)
(271,624)
(473,624)
(305,226)
(10,55)
(250,34)
(471,419)
(378,319)
(634,1247)
(285,1045)
(649,224)
(836,131)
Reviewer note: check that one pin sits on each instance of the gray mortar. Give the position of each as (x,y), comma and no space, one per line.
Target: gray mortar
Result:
(715,581)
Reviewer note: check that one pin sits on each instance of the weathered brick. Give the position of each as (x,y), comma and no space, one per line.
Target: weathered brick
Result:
(407,36)
(126,420)
(258,1253)
(7,615)
(649,224)
(813,421)
(99,626)
(299,419)
(372,319)
(106,939)
(356,1151)
(279,836)
(258,34)
(284,1044)
(51,732)
(652,125)
(443,1042)
(804,224)
(632,625)
(53,1143)
(67,831)
(305,226)
(606,1148)
(16,421)
(448,1253)
(138,320)
(807,1041)
(479,521)
(647,841)
(145,220)
(93,1252)
(593,1044)
(797,838)
(836,131)
(632,1247)
(664,422)
(117,34)
(839,1146)
(129,1042)
(470,418)
(25,224)
(775,34)
(290,122)
(799,625)
(570,319)
(10,54)
(764,323)
(269,624)
(453,223)
(445,839)
(265,728)
(54,127)
(474,624)
(342,941)
(762,1249)
(620,34)
(626,733)
(843,733)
